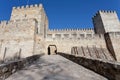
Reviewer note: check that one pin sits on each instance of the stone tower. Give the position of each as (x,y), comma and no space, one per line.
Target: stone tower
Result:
(106,21)
(32,12)
(108,24)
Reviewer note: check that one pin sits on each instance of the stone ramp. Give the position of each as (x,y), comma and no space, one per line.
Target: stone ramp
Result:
(93,52)
(55,67)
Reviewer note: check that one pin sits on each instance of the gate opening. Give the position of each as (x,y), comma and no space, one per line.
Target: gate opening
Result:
(52,49)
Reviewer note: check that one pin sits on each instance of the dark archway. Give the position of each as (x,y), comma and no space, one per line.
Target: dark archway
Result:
(52,49)
(48,50)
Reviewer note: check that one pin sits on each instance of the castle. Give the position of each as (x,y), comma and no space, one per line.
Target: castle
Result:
(27,33)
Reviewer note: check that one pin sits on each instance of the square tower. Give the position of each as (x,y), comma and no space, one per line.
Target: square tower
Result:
(106,21)
(36,12)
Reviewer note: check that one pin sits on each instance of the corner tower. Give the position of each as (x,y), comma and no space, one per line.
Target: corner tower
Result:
(32,12)
(106,21)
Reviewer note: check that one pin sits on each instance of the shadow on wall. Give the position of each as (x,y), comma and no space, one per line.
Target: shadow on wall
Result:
(92,52)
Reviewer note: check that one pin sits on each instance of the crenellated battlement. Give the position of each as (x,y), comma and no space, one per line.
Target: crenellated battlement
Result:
(77,36)
(28,6)
(3,23)
(103,11)
(83,29)
(107,11)
(27,12)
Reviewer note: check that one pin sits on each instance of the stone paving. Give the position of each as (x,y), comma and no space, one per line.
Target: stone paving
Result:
(55,67)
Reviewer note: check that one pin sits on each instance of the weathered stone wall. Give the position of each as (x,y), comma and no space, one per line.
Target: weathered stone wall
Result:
(32,11)
(43,24)
(24,33)
(92,52)
(70,34)
(17,37)
(98,24)
(65,45)
(39,45)
(113,41)
(9,68)
(111,70)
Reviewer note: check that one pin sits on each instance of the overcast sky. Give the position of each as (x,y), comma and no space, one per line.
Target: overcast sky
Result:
(64,13)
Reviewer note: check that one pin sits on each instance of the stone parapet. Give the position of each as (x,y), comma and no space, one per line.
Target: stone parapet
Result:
(28,6)
(76,36)
(103,11)
(83,29)
(109,69)
(9,68)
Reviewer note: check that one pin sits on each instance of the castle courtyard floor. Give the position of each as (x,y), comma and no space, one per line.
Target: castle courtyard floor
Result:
(55,67)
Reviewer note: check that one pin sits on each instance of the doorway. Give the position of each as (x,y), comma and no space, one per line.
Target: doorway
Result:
(52,49)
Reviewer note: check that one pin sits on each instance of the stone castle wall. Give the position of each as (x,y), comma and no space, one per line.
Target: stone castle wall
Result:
(66,39)
(36,12)
(113,41)
(17,38)
(27,33)
(70,34)
(65,45)
(32,11)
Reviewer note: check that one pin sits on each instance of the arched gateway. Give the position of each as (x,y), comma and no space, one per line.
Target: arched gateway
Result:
(52,49)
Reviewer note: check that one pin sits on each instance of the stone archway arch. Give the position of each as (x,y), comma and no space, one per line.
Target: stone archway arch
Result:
(52,49)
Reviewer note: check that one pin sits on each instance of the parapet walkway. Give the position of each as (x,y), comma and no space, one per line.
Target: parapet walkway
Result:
(55,67)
